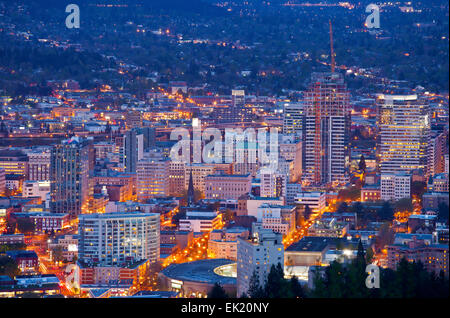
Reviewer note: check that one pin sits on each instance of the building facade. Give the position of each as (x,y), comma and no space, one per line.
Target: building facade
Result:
(257,255)
(115,239)
(404,132)
(327,130)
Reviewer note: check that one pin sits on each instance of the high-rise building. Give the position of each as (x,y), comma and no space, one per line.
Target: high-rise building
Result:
(133,146)
(152,176)
(149,135)
(115,239)
(238,98)
(439,148)
(273,184)
(404,132)
(2,181)
(256,256)
(14,162)
(236,112)
(176,178)
(133,119)
(39,164)
(293,118)
(327,129)
(70,165)
(291,150)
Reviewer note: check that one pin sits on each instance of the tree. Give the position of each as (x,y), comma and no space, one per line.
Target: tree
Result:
(351,193)
(296,288)
(362,163)
(369,255)
(58,253)
(404,205)
(228,215)
(12,247)
(361,255)
(320,286)
(418,188)
(343,207)
(8,266)
(361,214)
(197,196)
(386,213)
(255,290)
(25,225)
(307,212)
(443,212)
(274,282)
(335,280)
(217,292)
(385,236)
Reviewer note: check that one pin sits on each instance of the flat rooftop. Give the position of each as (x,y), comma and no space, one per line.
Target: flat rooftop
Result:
(312,244)
(201,271)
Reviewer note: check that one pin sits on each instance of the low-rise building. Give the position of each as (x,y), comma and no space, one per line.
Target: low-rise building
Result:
(27,261)
(200,219)
(330,228)
(434,257)
(223,243)
(33,188)
(224,187)
(370,193)
(395,186)
(279,218)
(42,284)
(315,200)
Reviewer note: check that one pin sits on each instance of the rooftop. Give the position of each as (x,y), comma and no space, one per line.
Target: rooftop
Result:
(312,244)
(201,271)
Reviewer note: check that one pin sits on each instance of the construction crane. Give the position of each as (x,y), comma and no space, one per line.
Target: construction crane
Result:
(333,63)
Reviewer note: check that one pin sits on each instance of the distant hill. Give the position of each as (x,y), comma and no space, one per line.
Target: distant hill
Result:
(188,6)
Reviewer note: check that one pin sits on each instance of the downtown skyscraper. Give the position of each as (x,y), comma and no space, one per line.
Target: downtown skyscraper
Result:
(70,163)
(133,150)
(326,130)
(404,132)
(115,239)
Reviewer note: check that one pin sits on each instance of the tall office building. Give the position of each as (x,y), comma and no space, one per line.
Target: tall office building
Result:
(118,238)
(439,148)
(404,132)
(327,129)
(14,162)
(149,135)
(70,164)
(293,118)
(234,113)
(238,98)
(2,181)
(133,150)
(153,173)
(257,255)
(39,164)
(133,119)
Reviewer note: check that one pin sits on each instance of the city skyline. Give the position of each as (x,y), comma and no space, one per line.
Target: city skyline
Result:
(225,150)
